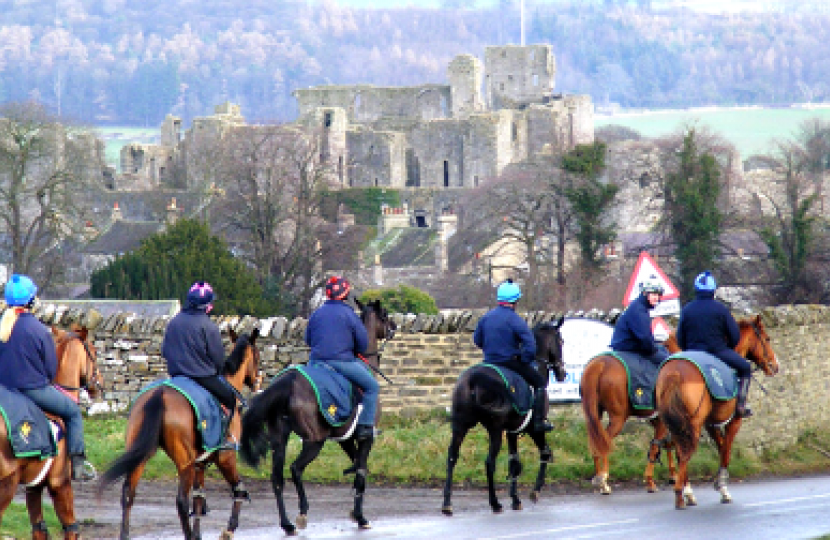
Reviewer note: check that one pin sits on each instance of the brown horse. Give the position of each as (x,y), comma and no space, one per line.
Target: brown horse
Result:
(77,369)
(164,418)
(481,397)
(290,404)
(604,388)
(685,406)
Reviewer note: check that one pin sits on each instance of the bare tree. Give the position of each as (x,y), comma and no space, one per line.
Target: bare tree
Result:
(44,166)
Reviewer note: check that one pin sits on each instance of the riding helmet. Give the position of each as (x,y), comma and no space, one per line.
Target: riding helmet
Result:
(652,285)
(337,288)
(705,282)
(508,292)
(20,290)
(200,295)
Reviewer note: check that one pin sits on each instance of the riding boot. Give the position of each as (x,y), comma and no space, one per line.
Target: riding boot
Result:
(82,471)
(230,442)
(540,421)
(364,432)
(741,410)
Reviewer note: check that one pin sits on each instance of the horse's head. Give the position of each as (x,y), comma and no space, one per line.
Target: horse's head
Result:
(244,360)
(77,362)
(549,347)
(755,345)
(376,320)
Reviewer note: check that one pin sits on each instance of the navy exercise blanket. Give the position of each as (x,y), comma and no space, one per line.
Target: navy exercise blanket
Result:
(721,379)
(335,395)
(642,378)
(207,409)
(29,430)
(521,393)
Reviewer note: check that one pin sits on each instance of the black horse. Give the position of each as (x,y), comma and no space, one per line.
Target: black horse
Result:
(480,396)
(290,404)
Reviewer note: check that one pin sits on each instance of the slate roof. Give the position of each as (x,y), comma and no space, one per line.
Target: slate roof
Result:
(123,236)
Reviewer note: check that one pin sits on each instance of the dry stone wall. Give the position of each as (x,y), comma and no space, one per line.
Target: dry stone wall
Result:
(430,351)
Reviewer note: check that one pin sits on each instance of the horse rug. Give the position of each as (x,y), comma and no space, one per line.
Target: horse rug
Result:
(208,410)
(721,380)
(642,378)
(521,393)
(30,431)
(335,396)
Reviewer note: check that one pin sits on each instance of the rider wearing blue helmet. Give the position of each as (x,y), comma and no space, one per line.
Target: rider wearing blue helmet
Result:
(27,354)
(507,341)
(632,331)
(706,325)
(192,346)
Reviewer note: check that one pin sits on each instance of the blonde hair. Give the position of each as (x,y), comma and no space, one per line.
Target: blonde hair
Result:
(7,323)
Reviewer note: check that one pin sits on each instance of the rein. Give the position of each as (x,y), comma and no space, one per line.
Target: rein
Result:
(65,389)
(755,367)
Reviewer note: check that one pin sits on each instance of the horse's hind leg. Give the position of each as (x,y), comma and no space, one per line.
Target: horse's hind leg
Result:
(34,506)
(280,433)
(490,467)
(128,498)
(226,463)
(186,477)
(359,486)
(660,435)
(724,443)
(8,486)
(514,469)
(308,453)
(545,457)
(198,496)
(458,434)
(64,504)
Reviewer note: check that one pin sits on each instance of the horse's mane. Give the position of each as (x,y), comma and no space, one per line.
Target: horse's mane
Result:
(234,360)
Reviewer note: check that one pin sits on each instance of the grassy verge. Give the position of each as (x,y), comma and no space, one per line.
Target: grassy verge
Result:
(16,521)
(413,451)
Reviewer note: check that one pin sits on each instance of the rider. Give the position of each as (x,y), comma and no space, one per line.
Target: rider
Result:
(193,348)
(632,332)
(336,337)
(706,325)
(27,354)
(507,341)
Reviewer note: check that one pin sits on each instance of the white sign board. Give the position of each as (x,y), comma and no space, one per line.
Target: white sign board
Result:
(583,339)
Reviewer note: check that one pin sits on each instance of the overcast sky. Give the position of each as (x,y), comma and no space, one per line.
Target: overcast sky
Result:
(701,5)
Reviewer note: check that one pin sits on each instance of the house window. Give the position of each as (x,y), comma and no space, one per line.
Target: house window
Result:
(446,173)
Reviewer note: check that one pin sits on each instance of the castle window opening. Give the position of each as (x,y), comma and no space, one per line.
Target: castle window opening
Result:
(532,54)
(501,87)
(444,108)
(645,180)
(475,180)
(376,181)
(327,119)
(535,80)
(515,131)
(357,103)
(340,169)
(446,173)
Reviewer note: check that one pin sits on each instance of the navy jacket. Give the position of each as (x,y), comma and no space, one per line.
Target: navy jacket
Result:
(503,335)
(335,332)
(632,332)
(706,325)
(28,359)
(192,345)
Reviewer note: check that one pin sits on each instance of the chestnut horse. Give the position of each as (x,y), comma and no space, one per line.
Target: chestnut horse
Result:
(604,388)
(163,417)
(481,397)
(290,404)
(77,369)
(685,406)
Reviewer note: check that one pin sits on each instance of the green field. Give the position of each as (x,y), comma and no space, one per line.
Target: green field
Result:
(750,130)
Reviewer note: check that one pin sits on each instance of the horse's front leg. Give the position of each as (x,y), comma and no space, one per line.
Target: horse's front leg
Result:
(363,448)
(458,434)
(280,433)
(490,467)
(724,444)
(8,486)
(64,504)
(514,470)
(34,506)
(308,453)
(545,457)
(227,465)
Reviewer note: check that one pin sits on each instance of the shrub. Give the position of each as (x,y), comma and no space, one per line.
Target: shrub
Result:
(404,299)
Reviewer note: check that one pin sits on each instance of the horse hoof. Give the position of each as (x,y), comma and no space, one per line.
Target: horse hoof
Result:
(691,500)
(605,489)
(516,506)
(652,488)
(364,526)
(226,535)
(497,508)
(292,531)
(302,521)
(447,510)
(680,506)
(534,496)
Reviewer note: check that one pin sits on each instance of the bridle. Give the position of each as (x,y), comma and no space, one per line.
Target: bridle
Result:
(96,376)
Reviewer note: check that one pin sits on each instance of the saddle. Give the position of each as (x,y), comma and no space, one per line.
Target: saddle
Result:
(520,392)
(721,380)
(31,433)
(642,378)
(336,396)
(211,420)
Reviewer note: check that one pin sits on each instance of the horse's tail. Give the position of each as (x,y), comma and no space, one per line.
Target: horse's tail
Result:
(489,394)
(598,439)
(271,403)
(144,443)
(674,414)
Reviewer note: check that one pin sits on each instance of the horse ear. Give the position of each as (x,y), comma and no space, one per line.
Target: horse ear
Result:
(360,305)
(82,332)
(57,332)
(559,322)
(254,335)
(758,320)
(232,335)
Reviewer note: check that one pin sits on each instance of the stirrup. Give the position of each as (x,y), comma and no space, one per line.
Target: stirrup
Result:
(82,470)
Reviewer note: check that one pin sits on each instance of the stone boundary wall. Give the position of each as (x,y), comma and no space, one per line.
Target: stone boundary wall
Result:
(430,351)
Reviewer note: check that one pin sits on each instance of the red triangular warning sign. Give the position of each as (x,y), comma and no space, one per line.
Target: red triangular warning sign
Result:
(647,268)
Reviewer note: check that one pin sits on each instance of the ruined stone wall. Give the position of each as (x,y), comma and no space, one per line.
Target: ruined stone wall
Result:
(517,75)
(635,167)
(144,166)
(376,158)
(365,104)
(464,74)
(439,146)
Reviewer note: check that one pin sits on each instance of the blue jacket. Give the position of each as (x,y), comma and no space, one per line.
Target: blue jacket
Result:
(503,335)
(28,359)
(632,332)
(192,345)
(335,332)
(706,325)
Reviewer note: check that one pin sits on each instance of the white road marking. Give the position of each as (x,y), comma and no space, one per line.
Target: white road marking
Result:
(784,501)
(563,529)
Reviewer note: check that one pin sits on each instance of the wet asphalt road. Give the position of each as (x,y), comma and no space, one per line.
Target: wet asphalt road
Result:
(774,509)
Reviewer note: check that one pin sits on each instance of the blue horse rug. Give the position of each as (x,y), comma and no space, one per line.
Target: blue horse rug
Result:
(30,432)
(207,409)
(721,380)
(335,396)
(642,378)
(521,393)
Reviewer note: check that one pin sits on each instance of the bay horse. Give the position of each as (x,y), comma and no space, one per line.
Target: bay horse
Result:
(163,418)
(603,388)
(289,404)
(481,397)
(77,369)
(686,406)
